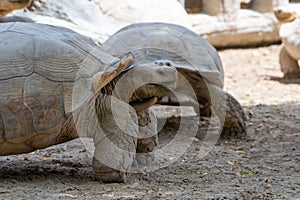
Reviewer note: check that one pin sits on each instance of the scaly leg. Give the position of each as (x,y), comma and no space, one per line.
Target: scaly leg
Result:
(235,120)
(229,111)
(115,149)
(147,139)
(289,66)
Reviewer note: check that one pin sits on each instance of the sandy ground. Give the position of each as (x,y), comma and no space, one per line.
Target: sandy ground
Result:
(264,165)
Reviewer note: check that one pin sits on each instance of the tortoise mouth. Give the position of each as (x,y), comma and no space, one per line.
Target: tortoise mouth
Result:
(148,95)
(143,104)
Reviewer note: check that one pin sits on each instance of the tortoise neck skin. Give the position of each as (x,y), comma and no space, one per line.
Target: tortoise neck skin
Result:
(109,87)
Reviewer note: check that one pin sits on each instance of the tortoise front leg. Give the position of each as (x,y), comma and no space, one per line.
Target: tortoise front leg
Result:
(289,66)
(147,139)
(115,150)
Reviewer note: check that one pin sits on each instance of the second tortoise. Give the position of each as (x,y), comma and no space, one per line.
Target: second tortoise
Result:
(200,72)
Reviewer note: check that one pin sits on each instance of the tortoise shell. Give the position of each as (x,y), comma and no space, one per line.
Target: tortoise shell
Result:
(155,41)
(39,67)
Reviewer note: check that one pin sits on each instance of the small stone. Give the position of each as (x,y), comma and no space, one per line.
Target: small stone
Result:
(268,186)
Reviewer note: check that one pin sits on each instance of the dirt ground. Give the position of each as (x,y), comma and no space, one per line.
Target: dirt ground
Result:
(264,165)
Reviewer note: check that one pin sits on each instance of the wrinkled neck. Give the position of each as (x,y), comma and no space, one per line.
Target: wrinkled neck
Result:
(122,90)
(109,87)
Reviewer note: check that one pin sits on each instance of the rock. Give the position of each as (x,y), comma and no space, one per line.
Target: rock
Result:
(247,28)
(124,12)
(81,16)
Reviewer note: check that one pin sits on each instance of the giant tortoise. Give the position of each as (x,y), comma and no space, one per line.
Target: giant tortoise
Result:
(197,62)
(54,88)
(290,36)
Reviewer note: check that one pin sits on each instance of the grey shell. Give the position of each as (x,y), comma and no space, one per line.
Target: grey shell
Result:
(155,41)
(38,68)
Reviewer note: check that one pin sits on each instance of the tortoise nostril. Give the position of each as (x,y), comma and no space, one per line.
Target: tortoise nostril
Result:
(163,63)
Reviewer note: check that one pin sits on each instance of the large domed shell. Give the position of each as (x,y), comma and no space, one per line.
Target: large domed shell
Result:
(156,41)
(39,65)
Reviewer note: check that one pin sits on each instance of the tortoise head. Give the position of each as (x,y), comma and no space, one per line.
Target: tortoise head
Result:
(142,85)
(285,15)
(153,81)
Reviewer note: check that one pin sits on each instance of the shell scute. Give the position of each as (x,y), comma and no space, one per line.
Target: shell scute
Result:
(44,100)
(16,57)
(15,117)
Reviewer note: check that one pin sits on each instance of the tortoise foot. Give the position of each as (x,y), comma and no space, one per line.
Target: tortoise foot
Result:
(144,154)
(235,120)
(106,174)
(142,161)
